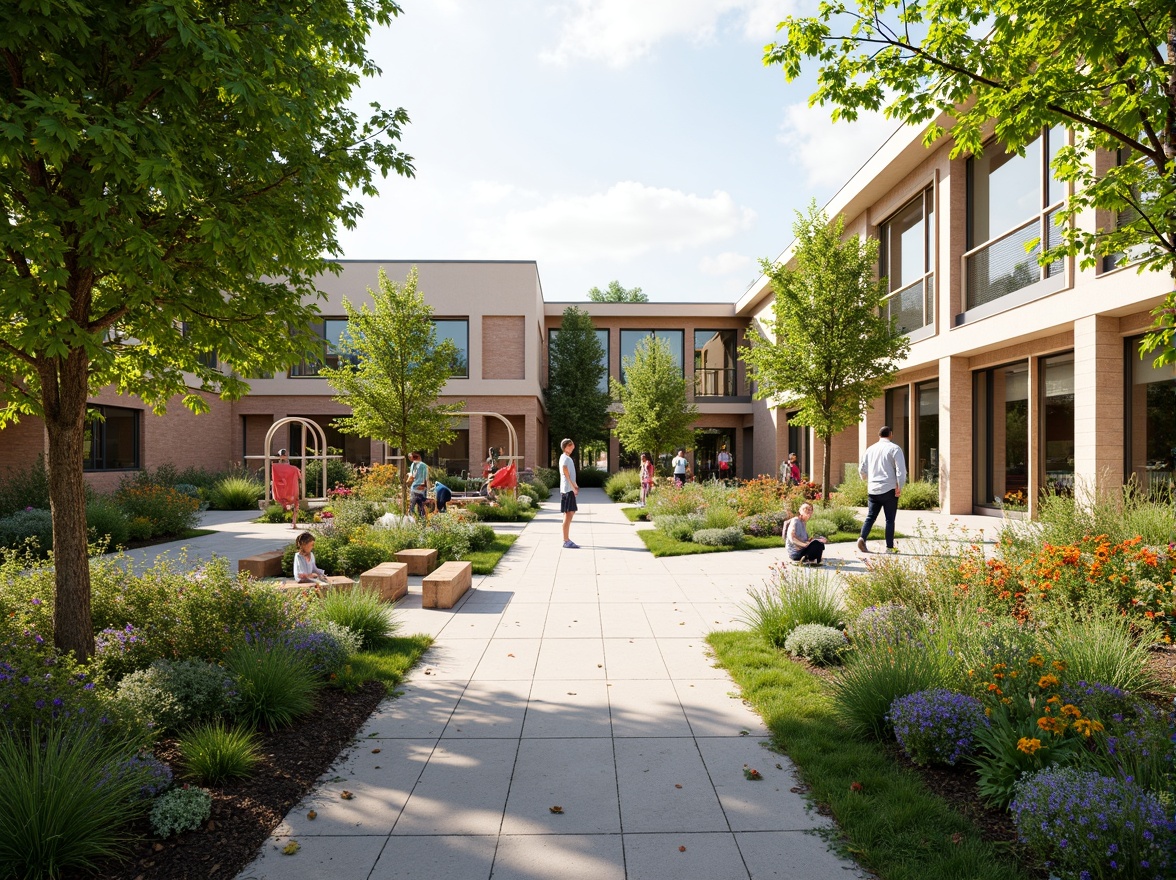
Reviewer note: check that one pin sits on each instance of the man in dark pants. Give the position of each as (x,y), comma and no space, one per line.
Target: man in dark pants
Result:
(884,470)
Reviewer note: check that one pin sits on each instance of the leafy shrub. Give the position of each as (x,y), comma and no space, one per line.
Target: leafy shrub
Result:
(140,528)
(525,500)
(874,676)
(822,645)
(236,492)
(481,537)
(789,599)
(339,473)
(179,810)
(350,513)
(65,808)
(326,645)
(361,611)
(937,726)
(1086,825)
(214,753)
(355,557)
(276,683)
(720,517)
(1099,647)
(765,524)
(548,476)
(106,522)
(855,492)
(618,484)
(537,489)
(505,509)
(171,694)
(170,512)
(274,513)
(25,487)
(919,495)
(154,775)
(678,527)
(379,482)
(40,687)
(886,581)
(728,537)
(886,624)
(761,496)
(32,527)
(448,535)
(591,478)
(821,527)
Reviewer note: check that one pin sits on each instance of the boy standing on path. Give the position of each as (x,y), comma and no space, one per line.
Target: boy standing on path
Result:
(419,471)
(568,490)
(884,469)
(287,484)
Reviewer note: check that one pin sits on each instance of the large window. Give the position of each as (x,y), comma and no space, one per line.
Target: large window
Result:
(1001,436)
(898,407)
(1012,200)
(331,330)
(714,363)
(1058,421)
(602,336)
(926,464)
(1151,420)
(112,441)
(457,331)
(676,339)
(204,358)
(908,261)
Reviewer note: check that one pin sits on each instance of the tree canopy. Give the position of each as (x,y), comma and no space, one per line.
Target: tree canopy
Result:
(172,180)
(617,294)
(655,415)
(831,352)
(1105,69)
(392,370)
(577,405)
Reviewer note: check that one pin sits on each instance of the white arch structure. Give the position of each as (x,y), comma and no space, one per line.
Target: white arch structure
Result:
(310,429)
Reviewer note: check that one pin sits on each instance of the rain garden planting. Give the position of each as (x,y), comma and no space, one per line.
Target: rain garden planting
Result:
(1032,678)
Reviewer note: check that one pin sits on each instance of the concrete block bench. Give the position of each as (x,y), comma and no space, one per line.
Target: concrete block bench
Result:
(390,579)
(419,561)
(446,585)
(262,565)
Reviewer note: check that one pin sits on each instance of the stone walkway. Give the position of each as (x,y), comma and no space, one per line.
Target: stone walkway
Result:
(570,678)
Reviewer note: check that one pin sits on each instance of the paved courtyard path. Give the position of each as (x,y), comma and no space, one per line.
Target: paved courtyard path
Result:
(577,679)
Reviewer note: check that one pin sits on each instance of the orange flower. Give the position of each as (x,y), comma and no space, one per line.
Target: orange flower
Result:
(1051,725)
(1086,726)
(1047,681)
(1037,660)
(1071,710)
(1028,745)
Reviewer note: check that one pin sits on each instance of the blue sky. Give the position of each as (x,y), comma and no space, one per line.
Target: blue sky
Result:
(641,140)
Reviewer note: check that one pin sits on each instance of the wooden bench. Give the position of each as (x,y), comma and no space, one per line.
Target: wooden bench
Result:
(334,582)
(420,560)
(446,585)
(390,579)
(262,565)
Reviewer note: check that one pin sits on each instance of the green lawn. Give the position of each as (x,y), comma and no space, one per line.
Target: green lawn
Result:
(892,824)
(390,662)
(635,514)
(661,544)
(485,560)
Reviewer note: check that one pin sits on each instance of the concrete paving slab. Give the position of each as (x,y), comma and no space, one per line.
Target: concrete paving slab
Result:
(566,856)
(767,804)
(568,708)
(467,856)
(794,855)
(684,856)
(421,711)
(490,709)
(714,707)
(633,658)
(646,708)
(522,620)
(689,658)
(649,770)
(508,659)
(584,789)
(573,620)
(340,858)
(462,790)
(570,659)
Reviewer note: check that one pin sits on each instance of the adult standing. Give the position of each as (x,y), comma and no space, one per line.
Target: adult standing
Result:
(724,459)
(793,469)
(568,490)
(884,469)
(419,473)
(681,466)
(286,481)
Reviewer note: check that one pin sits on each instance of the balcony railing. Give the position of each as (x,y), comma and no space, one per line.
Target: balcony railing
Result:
(913,306)
(1003,265)
(714,382)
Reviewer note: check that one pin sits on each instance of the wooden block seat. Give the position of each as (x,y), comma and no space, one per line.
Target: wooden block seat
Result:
(262,565)
(420,561)
(334,582)
(446,585)
(390,579)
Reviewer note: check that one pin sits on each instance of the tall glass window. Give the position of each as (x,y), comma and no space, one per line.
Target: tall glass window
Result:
(601,335)
(331,330)
(1012,200)
(898,405)
(714,363)
(1001,436)
(1058,421)
(457,331)
(1151,420)
(676,339)
(111,442)
(798,437)
(907,251)
(926,464)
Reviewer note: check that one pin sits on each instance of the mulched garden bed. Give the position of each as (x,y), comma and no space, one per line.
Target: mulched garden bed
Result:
(245,812)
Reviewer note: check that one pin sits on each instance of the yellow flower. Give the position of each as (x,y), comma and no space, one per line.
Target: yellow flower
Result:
(1028,745)
(1047,681)
(1059,666)
(1052,725)
(1037,660)
(1086,727)
(1071,710)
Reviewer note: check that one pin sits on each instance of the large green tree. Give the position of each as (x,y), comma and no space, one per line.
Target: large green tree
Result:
(577,405)
(392,369)
(614,293)
(655,416)
(831,352)
(172,176)
(1104,68)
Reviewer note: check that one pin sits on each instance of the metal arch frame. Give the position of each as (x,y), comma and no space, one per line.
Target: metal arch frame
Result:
(512,436)
(320,437)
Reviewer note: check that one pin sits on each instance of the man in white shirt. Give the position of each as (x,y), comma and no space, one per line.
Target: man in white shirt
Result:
(680,465)
(884,470)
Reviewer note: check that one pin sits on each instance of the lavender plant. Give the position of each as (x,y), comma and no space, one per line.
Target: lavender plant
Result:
(937,726)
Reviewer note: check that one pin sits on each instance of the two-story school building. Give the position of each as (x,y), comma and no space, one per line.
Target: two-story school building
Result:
(1019,377)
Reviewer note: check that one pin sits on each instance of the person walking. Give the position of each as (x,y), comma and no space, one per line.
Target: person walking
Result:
(801,548)
(646,476)
(793,469)
(884,470)
(568,490)
(419,472)
(286,481)
(681,467)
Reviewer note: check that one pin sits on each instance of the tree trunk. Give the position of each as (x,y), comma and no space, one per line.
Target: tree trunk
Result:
(826,470)
(64,391)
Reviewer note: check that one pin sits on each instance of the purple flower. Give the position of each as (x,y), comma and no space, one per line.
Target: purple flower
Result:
(937,726)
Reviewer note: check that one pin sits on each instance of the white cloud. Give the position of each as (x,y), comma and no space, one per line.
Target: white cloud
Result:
(726,263)
(624,222)
(618,32)
(491,192)
(830,152)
